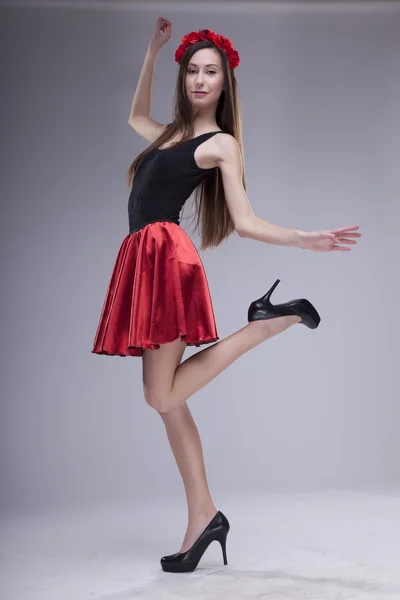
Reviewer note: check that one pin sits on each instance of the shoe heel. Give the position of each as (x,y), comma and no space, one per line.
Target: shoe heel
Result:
(222,541)
(267,296)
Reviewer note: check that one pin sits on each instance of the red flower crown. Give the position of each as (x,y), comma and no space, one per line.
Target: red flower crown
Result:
(207,34)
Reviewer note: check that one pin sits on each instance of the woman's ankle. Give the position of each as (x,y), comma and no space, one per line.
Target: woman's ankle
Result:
(202,513)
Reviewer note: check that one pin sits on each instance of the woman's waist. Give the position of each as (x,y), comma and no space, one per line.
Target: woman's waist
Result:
(138,225)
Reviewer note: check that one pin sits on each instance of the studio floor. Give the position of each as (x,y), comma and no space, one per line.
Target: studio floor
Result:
(322,545)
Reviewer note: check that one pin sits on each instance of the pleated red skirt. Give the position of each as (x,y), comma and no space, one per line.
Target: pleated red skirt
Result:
(158,292)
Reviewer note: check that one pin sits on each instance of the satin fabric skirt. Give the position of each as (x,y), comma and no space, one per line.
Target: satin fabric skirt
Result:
(158,292)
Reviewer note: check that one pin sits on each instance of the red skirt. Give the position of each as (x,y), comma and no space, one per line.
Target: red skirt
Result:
(158,292)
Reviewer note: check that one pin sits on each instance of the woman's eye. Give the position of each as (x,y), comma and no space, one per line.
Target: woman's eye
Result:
(193,71)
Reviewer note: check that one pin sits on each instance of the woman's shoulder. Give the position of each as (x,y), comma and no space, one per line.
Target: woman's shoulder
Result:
(225,136)
(227,141)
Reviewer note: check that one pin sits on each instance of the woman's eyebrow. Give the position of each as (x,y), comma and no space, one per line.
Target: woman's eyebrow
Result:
(209,65)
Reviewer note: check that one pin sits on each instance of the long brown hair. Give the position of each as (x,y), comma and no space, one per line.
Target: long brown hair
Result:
(211,207)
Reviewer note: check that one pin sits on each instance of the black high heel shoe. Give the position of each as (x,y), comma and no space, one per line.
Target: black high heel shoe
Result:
(185,562)
(263,309)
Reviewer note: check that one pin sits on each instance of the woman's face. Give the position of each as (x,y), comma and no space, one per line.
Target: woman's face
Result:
(204,73)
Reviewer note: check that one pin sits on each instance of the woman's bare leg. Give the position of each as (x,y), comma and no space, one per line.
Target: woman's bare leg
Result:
(164,377)
(166,390)
(187,449)
(186,445)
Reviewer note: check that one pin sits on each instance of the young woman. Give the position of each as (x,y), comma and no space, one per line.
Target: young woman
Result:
(158,300)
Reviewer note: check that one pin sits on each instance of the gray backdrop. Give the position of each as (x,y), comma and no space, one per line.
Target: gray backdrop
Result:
(320,92)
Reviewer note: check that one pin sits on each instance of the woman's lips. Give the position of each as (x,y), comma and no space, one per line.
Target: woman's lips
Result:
(200,93)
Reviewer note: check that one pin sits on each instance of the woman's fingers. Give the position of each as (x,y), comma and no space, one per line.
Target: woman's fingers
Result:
(346,240)
(162,23)
(340,240)
(346,230)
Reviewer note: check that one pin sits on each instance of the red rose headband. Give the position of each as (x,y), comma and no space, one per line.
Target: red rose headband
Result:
(207,34)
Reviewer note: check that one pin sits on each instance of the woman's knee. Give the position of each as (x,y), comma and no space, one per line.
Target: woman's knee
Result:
(159,368)
(159,400)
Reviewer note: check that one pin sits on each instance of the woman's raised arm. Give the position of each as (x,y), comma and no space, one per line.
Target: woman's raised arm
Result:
(139,117)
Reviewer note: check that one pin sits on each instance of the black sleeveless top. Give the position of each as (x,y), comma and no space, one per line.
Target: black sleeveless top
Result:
(163,182)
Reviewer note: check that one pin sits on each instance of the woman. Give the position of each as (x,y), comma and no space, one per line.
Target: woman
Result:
(158,300)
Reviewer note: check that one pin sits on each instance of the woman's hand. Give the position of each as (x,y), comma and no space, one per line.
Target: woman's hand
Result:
(161,34)
(325,241)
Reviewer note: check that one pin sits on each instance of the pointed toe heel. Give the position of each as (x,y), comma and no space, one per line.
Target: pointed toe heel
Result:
(186,562)
(262,309)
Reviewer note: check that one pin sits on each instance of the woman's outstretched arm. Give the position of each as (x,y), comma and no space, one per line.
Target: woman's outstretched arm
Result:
(248,225)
